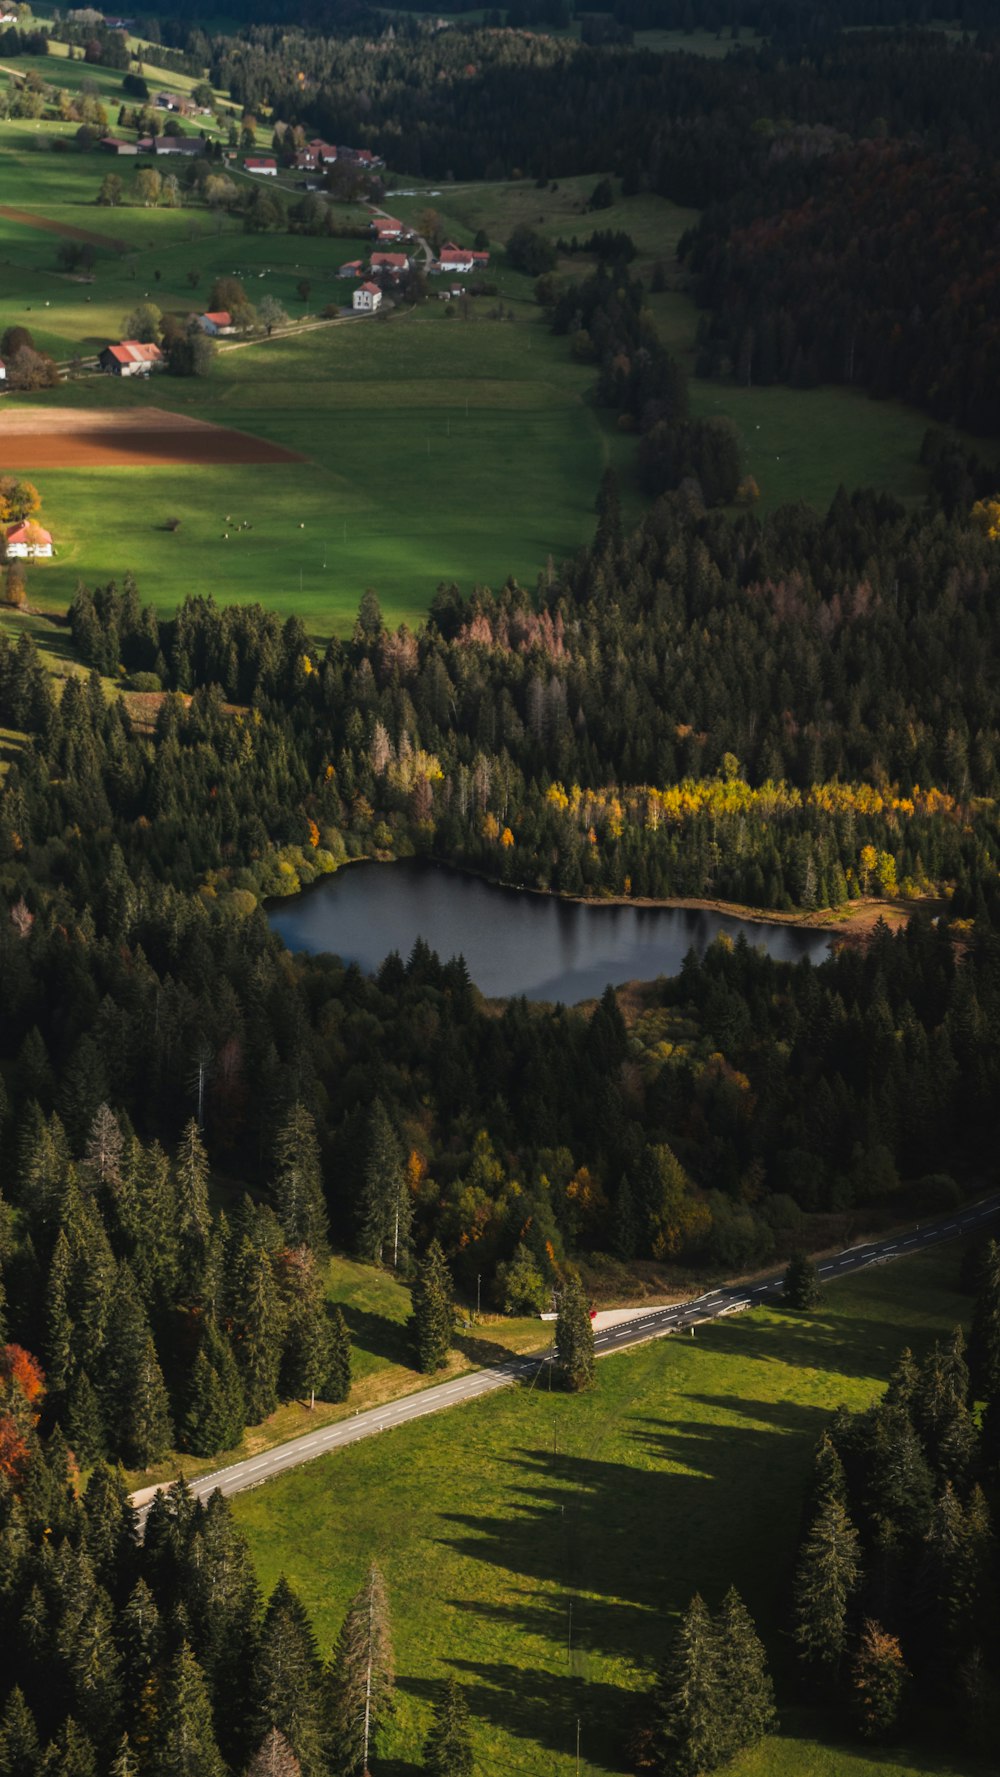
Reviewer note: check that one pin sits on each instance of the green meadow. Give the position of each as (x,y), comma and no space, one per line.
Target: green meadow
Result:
(683,1470)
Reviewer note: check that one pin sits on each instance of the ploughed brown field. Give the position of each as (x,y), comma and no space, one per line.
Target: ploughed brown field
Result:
(54,438)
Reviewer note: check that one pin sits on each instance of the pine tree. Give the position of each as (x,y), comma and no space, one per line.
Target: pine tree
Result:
(298,1183)
(879,1682)
(984,1339)
(57,1344)
(258,1329)
(274,1758)
(361,1678)
(338,1383)
(84,1421)
(385,1207)
(305,1361)
(71,1753)
(125,1762)
(139,1641)
(448,1749)
(433,1310)
(182,1738)
(747,1694)
(287,1680)
(215,1414)
(575,1339)
(801,1284)
(220,1591)
(904,1382)
(135,1397)
(826,1578)
(691,1734)
(110,1532)
(94,1669)
(19,1748)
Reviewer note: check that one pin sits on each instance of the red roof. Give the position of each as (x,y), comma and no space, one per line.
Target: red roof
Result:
(373,289)
(260,160)
(390,261)
(134,351)
(220,317)
(29,532)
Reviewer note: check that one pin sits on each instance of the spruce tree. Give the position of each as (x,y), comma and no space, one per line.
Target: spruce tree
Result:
(433,1310)
(274,1758)
(84,1421)
(286,1689)
(135,1398)
(214,1416)
(194,1217)
(879,1682)
(904,1382)
(338,1382)
(258,1329)
(182,1738)
(139,1640)
(71,1753)
(297,1192)
(801,1284)
(746,1690)
(448,1748)
(575,1339)
(691,1734)
(19,1748)
(125,1762)
(361,1679)
(94,1669)
(385,1208)
(826,1579)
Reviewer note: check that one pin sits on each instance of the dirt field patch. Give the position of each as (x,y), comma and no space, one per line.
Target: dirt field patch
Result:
(29,219)
(141,437)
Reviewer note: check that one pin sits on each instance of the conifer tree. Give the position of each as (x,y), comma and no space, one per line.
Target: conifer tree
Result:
(305,1360)
(298,1183)
(361,1679)
(287,1680)
(274,1758)
(215,1413)
(182,1738)
(194,1217)
(904,1382)
(19,1748)
(984,1338)
(746,1690)
(258,1329)
(110,1531)
(448,1749)
(826,1578)
(94,1669)
(125,1762)
(433,1310)
(57,1345)
(71,1753)
(879,1682)
(385,1208)
(84,1420)
(135,1397)
(223,1602)
(575,1339)
(801,1284)
(139,1642)
(691,1733)
(338,1383)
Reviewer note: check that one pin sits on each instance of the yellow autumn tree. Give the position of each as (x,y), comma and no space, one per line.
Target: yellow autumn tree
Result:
(986,513)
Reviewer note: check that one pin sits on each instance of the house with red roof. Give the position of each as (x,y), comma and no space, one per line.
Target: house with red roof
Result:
(27,541)
(453,259)
(216,322)
(263,165)
(390,264)
(131,357)
(353,269)
(367,298)
(388,228)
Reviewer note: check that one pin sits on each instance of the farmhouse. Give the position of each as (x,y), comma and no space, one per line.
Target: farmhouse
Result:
(388,228)
(130,357)
(115,145)
(174,102)
(28,540)
(353,269)
(325,152)
(391,264)
(216,322)
(367,298)
(262,165)
(455,259)
(173,144)
(306,160)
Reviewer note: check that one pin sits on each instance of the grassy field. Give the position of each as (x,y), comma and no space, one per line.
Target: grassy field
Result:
(683,1470)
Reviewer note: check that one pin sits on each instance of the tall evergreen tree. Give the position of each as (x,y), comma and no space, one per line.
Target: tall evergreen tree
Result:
(361,1679)
(214,1417)
(433,1310)
(575,1338)
(194,1217)
(274,1758)
(801,1284)
(984,1338)
(298,1182)
(746,1690)
(385,1208)
(136,1407)
(182,1737)
(71,1753)
(20,1754)
(691,1733)
(258,1329)
(305,1360)
(287,1680)
(338,1383)
(84,1420)
(826,1579)
(448,1748)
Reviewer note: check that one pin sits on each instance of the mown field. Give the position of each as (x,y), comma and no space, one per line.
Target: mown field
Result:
(682,1470)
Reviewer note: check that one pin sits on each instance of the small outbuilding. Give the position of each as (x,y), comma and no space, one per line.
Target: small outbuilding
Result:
(131,357)
(28,541)
(216,323)
(367,298)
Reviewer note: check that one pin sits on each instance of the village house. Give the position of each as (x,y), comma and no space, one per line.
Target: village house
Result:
(130,357)
(391,265)
(172,144)
(454,259)
(367,298)
(216,322)
(115,145)
(28,541)
(325,152)
(263,165)
(388,228)
(178,102)
(306,160)
(353,269)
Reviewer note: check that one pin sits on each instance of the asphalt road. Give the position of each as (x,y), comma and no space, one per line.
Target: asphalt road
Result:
(679,1317)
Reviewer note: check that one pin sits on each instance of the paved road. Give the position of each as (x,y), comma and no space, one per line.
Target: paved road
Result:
(679,1317)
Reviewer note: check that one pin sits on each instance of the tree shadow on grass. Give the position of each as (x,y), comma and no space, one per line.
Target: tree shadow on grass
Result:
(378,1335)
(854,1348)
(485,1352)
(542,1709)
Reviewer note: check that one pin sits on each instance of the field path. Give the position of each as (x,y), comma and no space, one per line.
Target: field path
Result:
(653,1324)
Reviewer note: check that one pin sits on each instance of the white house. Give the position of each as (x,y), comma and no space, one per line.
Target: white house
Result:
(27,541)
(131,357)
(390,264)
(452,259)
(367,298)
(216,322)
(262,165)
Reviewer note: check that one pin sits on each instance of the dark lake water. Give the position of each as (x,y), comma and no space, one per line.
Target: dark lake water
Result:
(513,942)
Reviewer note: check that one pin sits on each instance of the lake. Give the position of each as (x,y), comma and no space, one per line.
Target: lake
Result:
(514,942)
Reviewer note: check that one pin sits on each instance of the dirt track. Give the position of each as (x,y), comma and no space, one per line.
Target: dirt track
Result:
(68,231)
(139,437)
